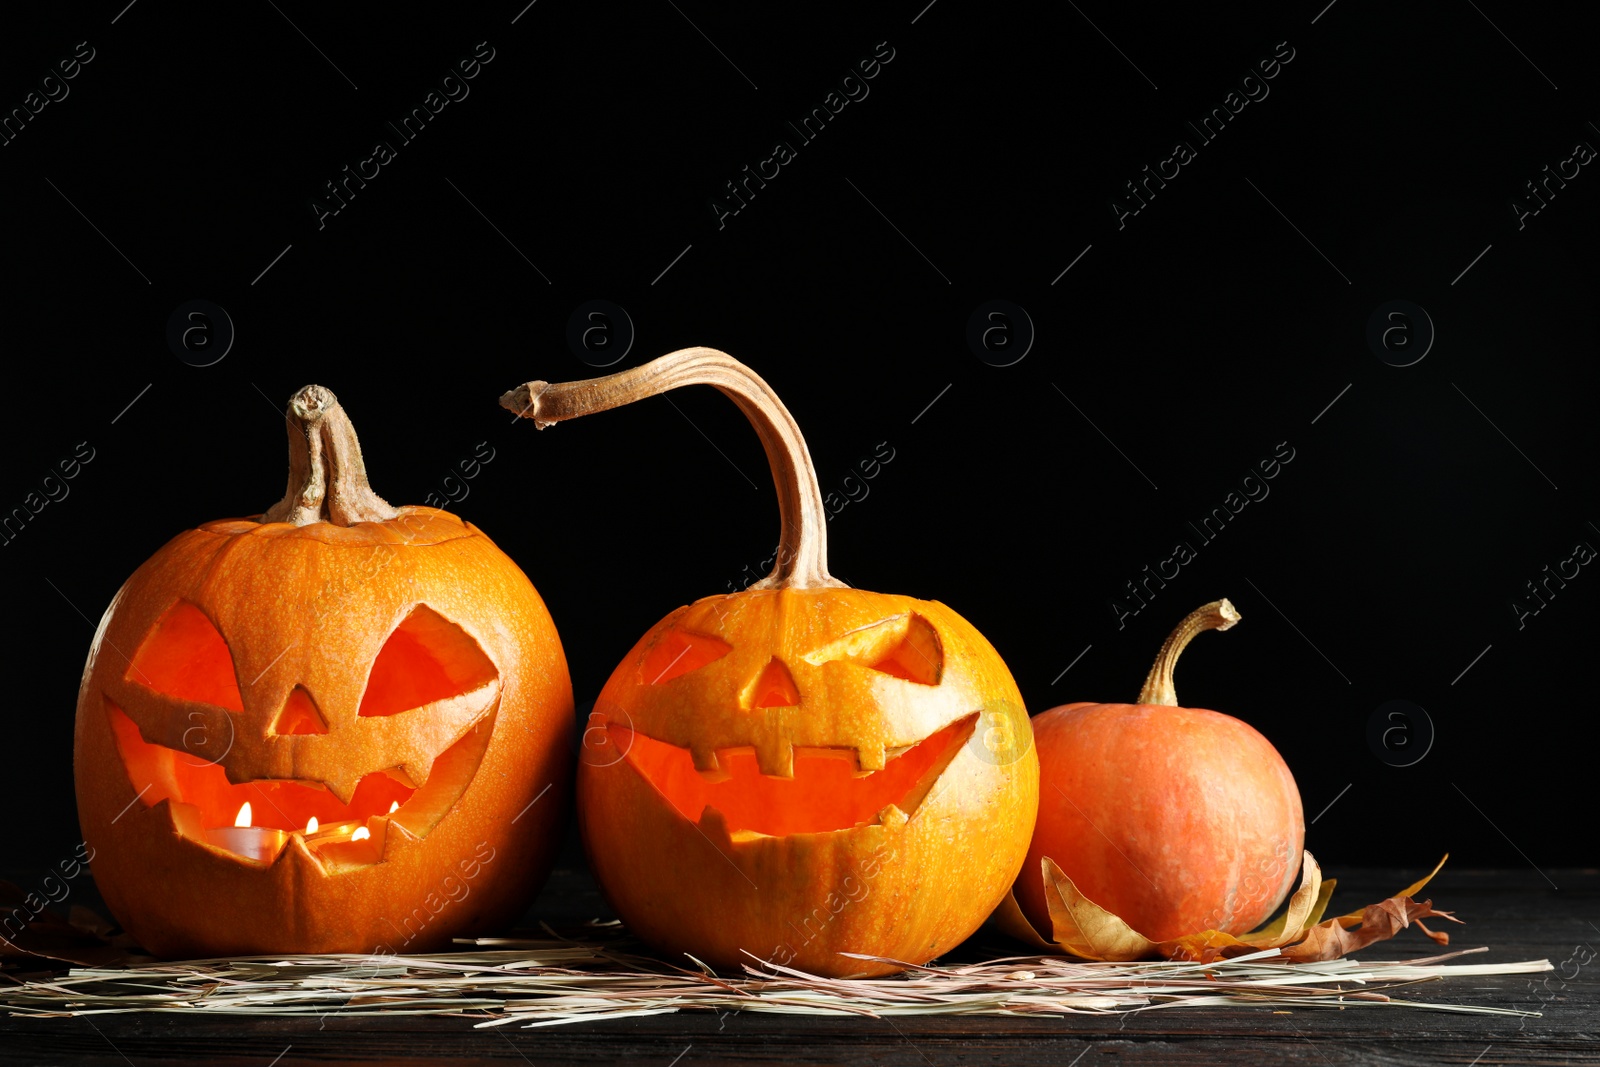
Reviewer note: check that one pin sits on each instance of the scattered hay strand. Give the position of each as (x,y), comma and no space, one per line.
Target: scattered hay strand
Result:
(555,981)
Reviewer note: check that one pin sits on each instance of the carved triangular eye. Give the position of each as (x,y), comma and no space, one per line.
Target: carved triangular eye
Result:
(184,656)
(678,653)
(905,646)
(773,688)
(427,658)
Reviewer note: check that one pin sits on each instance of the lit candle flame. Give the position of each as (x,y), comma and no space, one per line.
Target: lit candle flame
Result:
(311,825)
(243,818)
(361,835)
(394,806)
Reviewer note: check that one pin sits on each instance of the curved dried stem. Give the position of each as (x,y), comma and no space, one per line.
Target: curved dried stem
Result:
(327,476)
(1217,615)
(802,557)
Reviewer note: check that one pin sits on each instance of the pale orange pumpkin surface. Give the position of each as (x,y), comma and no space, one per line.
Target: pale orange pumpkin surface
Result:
(386,671)
(801,769)
(1177,820)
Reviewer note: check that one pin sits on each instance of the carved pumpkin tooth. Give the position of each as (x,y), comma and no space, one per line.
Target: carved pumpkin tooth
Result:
(300,855)
(871,757)
(715,826)
(720,774)
(705,760)
(776,759)
(394,841)
(343,788)
(402,774)
(400,835)
(416,771)
(891,817)
(184,819)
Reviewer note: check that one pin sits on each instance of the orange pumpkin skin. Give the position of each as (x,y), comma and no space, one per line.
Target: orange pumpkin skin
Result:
(797,869)
(305,613)
(1178,820)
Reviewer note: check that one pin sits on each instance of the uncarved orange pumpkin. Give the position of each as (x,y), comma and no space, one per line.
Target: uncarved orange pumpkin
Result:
(801,769)
(1177,820)
(387,672)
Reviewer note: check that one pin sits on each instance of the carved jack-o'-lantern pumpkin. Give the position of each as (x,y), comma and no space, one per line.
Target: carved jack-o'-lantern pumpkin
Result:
(323,730)
(801,769)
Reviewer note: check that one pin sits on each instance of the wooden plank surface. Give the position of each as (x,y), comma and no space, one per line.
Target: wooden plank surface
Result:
(1517,914)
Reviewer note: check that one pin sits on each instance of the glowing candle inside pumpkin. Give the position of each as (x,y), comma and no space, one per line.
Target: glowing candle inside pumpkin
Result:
(361,834)
(255,843)
(318,833)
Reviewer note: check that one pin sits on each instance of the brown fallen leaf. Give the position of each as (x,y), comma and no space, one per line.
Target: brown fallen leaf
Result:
(1381,921)
(1083,928)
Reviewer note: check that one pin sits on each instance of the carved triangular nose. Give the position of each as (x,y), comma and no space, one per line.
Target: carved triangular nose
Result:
(299,715)
(773,688)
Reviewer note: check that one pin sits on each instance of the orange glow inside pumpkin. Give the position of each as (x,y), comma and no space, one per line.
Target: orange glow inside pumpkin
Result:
(678,653)
(827,791)
(904,646)
(426,659)
(185,657)
(299,715)
(774,688)
(166,773)
(277,804)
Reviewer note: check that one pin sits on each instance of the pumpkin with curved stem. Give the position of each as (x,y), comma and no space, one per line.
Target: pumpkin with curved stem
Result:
(801,769)
(322,730)
(1176,820)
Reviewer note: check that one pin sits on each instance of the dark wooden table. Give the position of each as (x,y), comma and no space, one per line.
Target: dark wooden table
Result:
(1517,914)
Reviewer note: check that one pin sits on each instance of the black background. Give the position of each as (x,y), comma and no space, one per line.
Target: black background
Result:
(1197,337)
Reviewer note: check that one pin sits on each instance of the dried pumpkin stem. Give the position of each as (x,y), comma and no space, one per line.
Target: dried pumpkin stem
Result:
(1217,615)
(327,476)
(802,557)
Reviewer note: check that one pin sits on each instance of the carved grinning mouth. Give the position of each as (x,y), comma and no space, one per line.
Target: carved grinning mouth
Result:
(202,801)
(827,791)
(428,668)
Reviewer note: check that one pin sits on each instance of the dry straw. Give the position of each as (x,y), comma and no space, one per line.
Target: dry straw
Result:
(600,975)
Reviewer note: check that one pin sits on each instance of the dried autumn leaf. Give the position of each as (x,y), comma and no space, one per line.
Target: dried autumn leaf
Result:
(1008,918)
(1083,928)
(1409,891)
(1380,921)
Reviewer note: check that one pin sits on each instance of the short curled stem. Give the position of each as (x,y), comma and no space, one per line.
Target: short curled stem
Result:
(327,476)
(1217,615)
